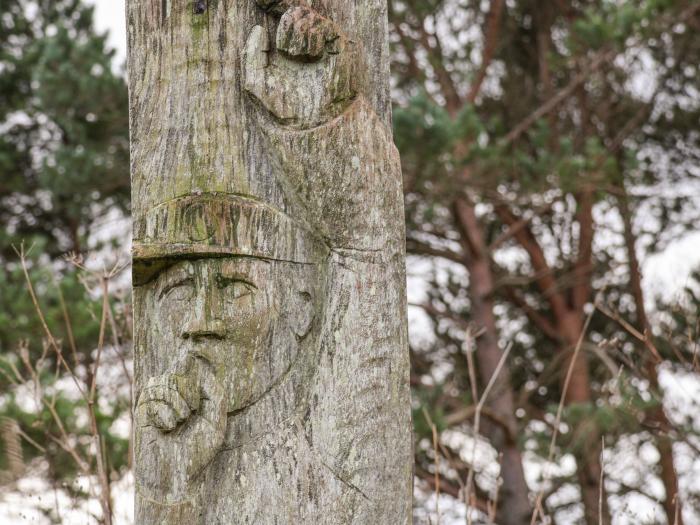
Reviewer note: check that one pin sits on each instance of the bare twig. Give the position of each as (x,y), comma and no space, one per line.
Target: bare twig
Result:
(105,499)
(493,505)
(436,451)
(52,340)
(644,338)
(477,415)
(601,481)
(67,322)
(64,440)
(560,411)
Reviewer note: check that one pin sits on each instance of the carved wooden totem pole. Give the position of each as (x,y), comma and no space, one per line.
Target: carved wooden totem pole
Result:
(269,298)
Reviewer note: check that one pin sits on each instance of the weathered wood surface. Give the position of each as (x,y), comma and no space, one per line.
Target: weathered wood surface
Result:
(269,299)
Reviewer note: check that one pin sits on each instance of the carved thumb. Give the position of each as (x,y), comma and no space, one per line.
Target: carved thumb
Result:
(165,402)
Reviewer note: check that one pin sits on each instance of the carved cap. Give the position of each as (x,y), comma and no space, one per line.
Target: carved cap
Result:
(220,225)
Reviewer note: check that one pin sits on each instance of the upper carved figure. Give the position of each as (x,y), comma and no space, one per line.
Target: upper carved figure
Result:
(311,74)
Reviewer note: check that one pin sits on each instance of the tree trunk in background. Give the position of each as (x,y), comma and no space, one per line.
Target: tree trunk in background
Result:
(514,508)
(572,324)
(588,456)
(271,362)
(567,324)
(657,416)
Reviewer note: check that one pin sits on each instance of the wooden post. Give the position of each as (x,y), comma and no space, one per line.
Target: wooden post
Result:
(269,286)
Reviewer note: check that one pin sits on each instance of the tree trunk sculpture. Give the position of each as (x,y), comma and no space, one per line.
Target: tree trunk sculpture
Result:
(269,290)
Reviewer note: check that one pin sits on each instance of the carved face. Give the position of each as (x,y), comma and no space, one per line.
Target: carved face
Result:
(242,318)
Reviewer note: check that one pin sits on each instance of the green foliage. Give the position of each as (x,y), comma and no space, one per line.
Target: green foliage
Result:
(63,111)
(424,133)
(38,423)
(435,146)
(609,23)
(35,378)
(557,139)
(64,165)
(426,399)
(64,302)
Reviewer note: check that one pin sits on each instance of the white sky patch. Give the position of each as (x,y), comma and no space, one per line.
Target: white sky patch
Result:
(667,273)
(110,15)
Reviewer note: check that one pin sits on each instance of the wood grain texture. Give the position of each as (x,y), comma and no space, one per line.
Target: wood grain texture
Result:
(270,313)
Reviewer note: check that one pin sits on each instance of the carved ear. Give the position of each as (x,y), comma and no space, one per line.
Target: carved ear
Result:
(302,316)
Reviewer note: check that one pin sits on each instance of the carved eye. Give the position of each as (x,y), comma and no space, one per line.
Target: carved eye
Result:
(235,288)
(178,291)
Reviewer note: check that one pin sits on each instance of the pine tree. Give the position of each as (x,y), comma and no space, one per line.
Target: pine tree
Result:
(64,169)
(511,163)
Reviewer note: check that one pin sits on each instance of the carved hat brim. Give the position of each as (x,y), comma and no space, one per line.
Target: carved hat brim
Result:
(220,225)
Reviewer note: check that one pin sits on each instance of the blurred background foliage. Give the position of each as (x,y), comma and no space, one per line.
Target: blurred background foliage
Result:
(549,149)
(64,173)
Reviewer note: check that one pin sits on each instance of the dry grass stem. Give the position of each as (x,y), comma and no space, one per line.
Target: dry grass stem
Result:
(436,451)
(557,422)
(471,492)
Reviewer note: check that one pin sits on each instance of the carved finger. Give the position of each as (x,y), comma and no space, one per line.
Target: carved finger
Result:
(208,430)
(255,62)
(187,382)
(162,403)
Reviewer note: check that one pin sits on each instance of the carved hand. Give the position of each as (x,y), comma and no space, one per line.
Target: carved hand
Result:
(303,33)
(311,76)
(166,401)
(184,413)
(333,148)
